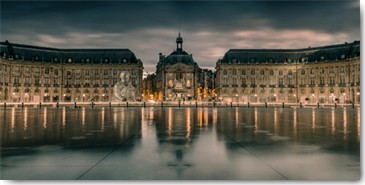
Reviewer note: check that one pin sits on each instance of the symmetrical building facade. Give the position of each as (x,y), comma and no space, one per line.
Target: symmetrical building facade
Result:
(42,74)
(329,74)
(178,77)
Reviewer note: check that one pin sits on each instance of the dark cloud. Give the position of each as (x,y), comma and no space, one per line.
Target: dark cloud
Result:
(209,28)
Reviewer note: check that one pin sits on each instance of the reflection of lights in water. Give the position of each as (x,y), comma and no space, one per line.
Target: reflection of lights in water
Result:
(275,120)
(83,117)
(12,119)
(256,119)
(358,124)
(344,123)
(313,118)
(188,122)
(214,115)
(206,120)
(45,118)
(200,117)
(63,116)
(150,116)
(25,118)
(295,121)
(102,117)
(169,121)
(236,115)
(333,128)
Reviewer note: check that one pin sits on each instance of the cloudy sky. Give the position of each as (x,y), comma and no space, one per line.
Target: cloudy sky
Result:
(209,28)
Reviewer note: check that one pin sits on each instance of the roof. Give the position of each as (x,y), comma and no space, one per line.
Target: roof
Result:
(47,54)
(176,57)
(331,52)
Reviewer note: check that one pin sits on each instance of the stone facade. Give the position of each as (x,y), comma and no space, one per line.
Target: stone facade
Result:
(40,74)
(329,74)
(177,77)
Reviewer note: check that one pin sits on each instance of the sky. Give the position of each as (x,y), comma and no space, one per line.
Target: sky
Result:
(209,28)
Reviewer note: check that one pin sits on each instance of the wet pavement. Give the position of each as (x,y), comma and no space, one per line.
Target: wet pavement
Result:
(180,143)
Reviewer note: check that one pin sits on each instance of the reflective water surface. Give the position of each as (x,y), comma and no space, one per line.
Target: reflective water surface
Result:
(180,143)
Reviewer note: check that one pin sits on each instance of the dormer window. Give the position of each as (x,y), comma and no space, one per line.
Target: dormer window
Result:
(87,60)
(55,59)
(343,56)
(36,58)
(124,60)
(106,60)
(69,60)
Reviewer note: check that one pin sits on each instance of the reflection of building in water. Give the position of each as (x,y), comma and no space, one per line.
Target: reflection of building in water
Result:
(325,74)
(74,127)
(175,125)
(42,74)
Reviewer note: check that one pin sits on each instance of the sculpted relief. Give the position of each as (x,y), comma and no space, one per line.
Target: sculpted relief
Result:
(124,90)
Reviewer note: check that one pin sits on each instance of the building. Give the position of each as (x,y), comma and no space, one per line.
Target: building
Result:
(42,74)
(178,77)
(328,74)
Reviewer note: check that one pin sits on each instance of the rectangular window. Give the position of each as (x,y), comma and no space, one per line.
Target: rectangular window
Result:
(234,81)
(332,80)
(16,79)
(36,80)
(234,72)
(342,80)
(55,72)
(243,81)
(106,81)
(55,81)
(243,72)
(262,72)
(312,81)
(46,70)
(252,72)
(281,81)
(224,71)
(46,80)
(253,81)
(87,81)
(271,72)
(77,81)
(115,80)
(321,80)
(26,80)
(115,72)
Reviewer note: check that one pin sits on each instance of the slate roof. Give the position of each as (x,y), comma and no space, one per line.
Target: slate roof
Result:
(47,54)
(178,56)
(331,52)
